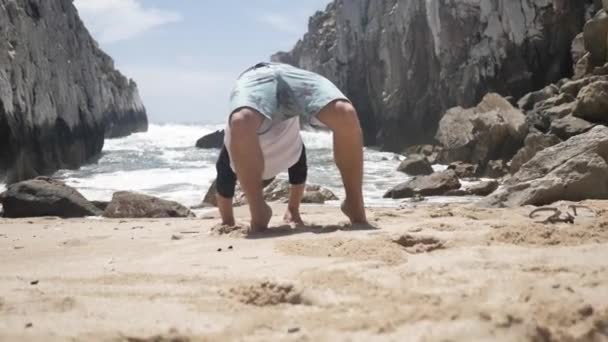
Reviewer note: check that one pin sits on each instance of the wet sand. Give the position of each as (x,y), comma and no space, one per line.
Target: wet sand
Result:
(430,273)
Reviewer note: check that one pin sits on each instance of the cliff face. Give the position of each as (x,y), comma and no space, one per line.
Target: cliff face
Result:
(404,62)
(60,95)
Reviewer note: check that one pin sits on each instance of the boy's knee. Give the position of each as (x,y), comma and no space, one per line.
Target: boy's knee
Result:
(347,114)
(245,120)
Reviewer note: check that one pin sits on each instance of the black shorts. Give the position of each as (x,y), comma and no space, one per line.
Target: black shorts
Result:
(226,178)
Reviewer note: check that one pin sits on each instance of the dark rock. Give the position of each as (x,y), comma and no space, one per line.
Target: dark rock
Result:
(601,71)
(530,100)
(483,189)
(101,205)
(436,184)
(45,197)
(574,170)
(213,140)
(60,95)
(583,67)
(541,118)
(210,198)
(496,169)
(405,62)
(570,126)
(596,38)
(133,205)
(493,130)
(464,170)
(416,165)
(534,143)
(593,102)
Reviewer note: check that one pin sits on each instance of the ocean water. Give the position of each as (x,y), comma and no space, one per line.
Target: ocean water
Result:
(163,162)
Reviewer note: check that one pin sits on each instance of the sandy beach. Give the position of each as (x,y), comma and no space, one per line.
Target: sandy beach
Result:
(428,273)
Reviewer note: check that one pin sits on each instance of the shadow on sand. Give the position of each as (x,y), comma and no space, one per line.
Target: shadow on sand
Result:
(288,230)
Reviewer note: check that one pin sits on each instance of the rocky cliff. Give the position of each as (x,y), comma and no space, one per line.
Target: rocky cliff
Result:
(60,95)
(404,62)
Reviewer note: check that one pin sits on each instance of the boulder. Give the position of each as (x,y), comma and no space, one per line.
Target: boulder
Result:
(493,130)
(134,205)
(101,205)
(596,38)
(601,70)
(45,197)
(574,87)
(496,169)
(416,165)
(542,117)
(534,143)
(436,184)
(531,99)
(213,140)
(592,102)
(578,48)
(583,67)
(483,189)
(464,170)
(574,170)
(430,152)
(570,126)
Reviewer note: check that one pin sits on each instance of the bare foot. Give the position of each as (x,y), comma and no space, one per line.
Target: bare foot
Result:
(261,224)
(293,216)
(353,216)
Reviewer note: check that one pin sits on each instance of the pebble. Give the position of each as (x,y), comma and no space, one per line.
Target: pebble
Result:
(34,282)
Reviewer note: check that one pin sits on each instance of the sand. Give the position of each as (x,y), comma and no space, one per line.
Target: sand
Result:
(427,273)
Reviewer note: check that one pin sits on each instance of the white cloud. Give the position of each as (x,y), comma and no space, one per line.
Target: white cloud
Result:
(114,20)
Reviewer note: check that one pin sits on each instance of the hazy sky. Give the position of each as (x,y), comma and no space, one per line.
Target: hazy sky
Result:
(186,54)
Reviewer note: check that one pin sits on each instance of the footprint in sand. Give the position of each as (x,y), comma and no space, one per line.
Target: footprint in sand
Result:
(419,244)
(267,293)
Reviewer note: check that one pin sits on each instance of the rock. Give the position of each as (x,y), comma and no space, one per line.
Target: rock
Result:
(574,170)
(574,87)
(405,62)
(430,152)
(596,38)
(496,169)
(541,118)
(530,100)
(534,143)
(583,67)
(493,130)
(464,170)
(601,71)
(570,126)
(557,100)
(483,189)
(436,184)
(578,48)
(456,193)
(60,95)
(45,197)
(101,205)
(593,102)
(133,205)
(213,140)
(416,165)
(274,190)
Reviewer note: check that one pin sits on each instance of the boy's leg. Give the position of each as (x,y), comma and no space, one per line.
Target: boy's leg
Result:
(297,186)
(341,118)
(249,163)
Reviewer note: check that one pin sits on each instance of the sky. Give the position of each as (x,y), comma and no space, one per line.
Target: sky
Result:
(186,54)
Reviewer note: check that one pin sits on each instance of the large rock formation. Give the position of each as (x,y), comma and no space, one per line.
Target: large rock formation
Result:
(60,95)
(404,62)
